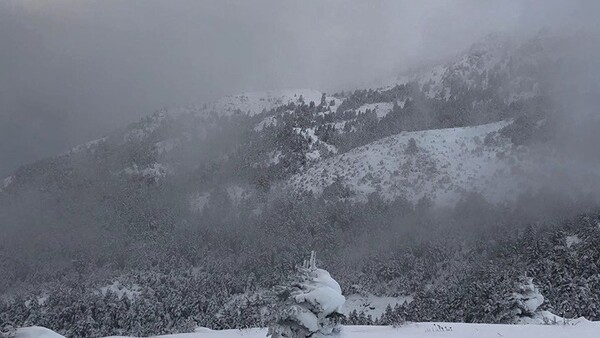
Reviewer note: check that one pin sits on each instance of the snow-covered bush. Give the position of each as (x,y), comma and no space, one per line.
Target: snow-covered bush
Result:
(309,306)
(8,331)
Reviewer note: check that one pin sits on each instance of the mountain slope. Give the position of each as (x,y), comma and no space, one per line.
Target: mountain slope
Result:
(280,133)
(220,201)
(440,164)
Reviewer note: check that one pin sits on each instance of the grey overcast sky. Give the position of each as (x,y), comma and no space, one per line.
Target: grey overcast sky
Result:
(71,71)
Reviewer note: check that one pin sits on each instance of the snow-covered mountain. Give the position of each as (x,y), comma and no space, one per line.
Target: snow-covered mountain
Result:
(512,69)
(358,139)
(226,193)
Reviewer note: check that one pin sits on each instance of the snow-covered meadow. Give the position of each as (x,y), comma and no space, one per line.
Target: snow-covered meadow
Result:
(577,328)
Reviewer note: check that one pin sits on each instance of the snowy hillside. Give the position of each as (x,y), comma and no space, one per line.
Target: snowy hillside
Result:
(256,102)
(250,103)
(495,61)
(482,71)
(190,214)
(578,328)
(440,164)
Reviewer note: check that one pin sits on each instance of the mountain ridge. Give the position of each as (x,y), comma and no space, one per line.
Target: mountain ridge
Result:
(452,84)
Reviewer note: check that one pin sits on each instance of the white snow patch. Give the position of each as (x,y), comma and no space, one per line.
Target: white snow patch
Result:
(90,146)
(6,182)
(274,157)
(121,291)
(36,332)
(513,97)
(380,108)
(266,122)
(313,155)
(165,146)
(155,171)
(572,240)
(237,194)
(40,300)
(253,103)
(199,201)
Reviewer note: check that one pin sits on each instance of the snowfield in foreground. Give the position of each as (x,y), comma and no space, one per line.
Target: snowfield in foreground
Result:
(579,328)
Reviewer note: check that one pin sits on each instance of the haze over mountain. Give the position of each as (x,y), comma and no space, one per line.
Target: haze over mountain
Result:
(456,180)
(478,144)
(74,71)
(514,87)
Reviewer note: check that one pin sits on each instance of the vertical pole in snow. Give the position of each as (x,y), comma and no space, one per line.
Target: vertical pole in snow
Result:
(313,260)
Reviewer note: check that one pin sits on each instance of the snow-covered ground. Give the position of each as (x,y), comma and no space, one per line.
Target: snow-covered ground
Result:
(255,102)
(6,182)
(154,171)
(441,164)
(91,146)
(121,290)
(380,108)
(576,328)
(36,332)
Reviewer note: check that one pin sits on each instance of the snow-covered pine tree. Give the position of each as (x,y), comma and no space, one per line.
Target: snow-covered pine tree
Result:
(309,305)
(395,316)
(525,301)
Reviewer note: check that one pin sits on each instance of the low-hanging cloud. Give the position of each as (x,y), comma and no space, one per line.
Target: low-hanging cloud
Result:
(71,71)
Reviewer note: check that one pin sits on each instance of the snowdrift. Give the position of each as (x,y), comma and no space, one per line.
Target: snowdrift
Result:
(577,328)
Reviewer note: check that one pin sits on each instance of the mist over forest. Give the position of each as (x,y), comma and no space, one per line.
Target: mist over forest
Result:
(168,166)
